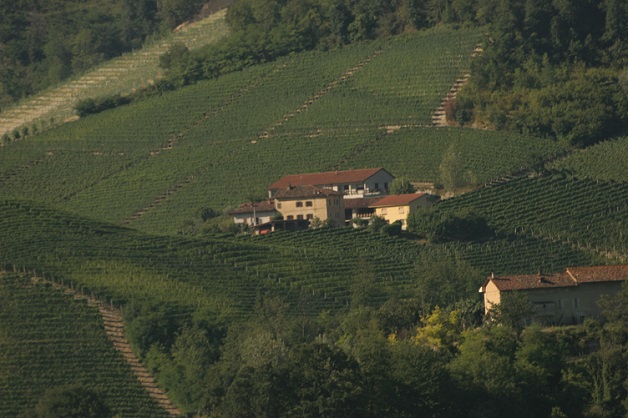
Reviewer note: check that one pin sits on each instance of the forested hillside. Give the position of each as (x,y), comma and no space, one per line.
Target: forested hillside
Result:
(129,206)
(45,42)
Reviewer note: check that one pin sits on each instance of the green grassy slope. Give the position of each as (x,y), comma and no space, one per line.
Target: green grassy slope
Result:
(155,163)
(47,339)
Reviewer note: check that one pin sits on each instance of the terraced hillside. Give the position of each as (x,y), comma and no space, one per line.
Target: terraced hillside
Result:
(48,339)
(120,75)
(605,161)
(154,164)
(315,270)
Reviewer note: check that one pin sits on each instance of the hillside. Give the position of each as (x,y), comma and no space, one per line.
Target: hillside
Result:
(50,340)
(122,75)
(155,163)
(350,322)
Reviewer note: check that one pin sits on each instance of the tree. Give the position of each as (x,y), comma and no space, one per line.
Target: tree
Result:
(401,185)
(452,171)
(70,402)
(514,310)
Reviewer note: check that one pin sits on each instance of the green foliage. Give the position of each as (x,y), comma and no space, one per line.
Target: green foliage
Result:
(56,352)
(440,226)
(514,310)
(604,161)
(551,70)
(90,106)
(401,185)
(71,402)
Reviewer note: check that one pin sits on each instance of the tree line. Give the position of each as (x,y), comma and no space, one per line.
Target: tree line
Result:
(43,42)
(393,360)
(549,68)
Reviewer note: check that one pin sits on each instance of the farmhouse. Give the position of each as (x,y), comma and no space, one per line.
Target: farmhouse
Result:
(397,207)
(254,213)
(351,183)
(562,298)
(308,202)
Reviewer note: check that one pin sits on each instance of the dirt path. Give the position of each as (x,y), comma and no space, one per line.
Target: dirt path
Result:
(114,327)
(439,117)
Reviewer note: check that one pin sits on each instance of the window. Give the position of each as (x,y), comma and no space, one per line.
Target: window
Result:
(402,210)
(309,216)
(308,204)
(561,303)
(576,302)
(384,211)
(278,205)
(385,186)
(290,217)
(299,217)
(299,204)
(346,187)
(359,186)
(376,186)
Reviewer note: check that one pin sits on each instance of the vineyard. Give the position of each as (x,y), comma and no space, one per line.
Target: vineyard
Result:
(587,214)
(315,270)
(123,75)
(50,340)
(154,164)
(605,161)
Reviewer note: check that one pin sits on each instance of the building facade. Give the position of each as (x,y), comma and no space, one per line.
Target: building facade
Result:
(397,207)
(563,298)
(309,202)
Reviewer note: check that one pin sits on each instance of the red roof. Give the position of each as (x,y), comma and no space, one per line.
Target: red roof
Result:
(305,191)
(573,276)
(326,178)
(397,200)
(360,202)
(598,273)
(263,206)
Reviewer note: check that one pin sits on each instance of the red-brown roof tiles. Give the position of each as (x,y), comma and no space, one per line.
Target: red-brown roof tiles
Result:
(573,276)
(263,206)
(397,200)
(598,273)
(360,203)
(306,191)
(531,281)
(325,178)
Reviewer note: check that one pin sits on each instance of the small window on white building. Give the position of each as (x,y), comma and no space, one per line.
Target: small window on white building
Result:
(299,204)
(278,205)
(402,210)
(384,212)
(308,204)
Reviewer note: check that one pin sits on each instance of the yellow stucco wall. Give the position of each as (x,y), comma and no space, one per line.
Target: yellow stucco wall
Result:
(320,207)
(400,213)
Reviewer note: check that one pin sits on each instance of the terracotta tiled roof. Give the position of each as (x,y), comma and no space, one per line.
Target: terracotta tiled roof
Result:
(263,206)
(360,203)
(598,273)
(531,281)
(397,200)
(306,191)
(573,276)
(325,178)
